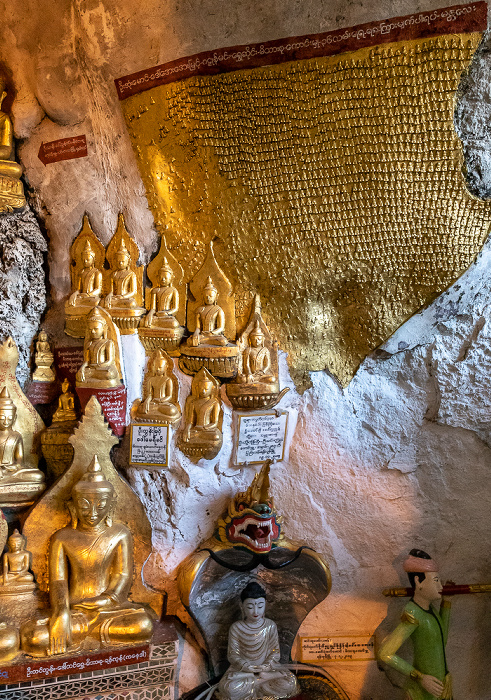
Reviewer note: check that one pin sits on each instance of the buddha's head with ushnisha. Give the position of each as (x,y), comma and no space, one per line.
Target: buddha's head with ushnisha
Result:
(256,336)
(96,324)
(209,291)
(166,273)
(88,255)
(8,410)
(93,497)
(122,256)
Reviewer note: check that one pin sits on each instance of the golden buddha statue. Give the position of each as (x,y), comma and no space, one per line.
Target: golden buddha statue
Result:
(90,576)
(256,385)
(161,327)
(17,578)
(87,254)
(43,360)
(66,405)
(100,368)
(89,288)
(211,322)
(202,435)
(11,189)
(13,472)
(125,281)
(160,388)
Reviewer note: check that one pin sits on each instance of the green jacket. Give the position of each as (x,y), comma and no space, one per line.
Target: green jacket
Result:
(428,630)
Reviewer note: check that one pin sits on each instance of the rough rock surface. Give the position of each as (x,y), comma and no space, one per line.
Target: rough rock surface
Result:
(22,282)
(401,457)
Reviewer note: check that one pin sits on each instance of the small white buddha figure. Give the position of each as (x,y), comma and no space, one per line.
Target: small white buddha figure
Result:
(254,653)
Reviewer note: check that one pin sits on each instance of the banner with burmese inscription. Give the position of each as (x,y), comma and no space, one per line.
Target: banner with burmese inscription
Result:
(328,171)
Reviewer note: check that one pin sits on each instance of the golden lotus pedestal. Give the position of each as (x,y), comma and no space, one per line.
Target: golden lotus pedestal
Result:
(221,361)
(196,451)
(127,320)
(167,339)
(11,191)
(253,397)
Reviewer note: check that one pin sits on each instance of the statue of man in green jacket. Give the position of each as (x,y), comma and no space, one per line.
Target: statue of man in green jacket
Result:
(428,677)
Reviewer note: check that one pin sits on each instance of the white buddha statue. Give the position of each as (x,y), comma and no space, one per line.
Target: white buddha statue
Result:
(254,654)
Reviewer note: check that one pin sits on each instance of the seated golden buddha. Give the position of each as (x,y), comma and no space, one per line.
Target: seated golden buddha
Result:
(11,189)
(90,577)
(66,405)
(164,301)
(256,360)
(99,368)
(124,287)
(159,403)
(12,467)
(202,436)
(43,360)
(16,562)
(210,320)
(89,290)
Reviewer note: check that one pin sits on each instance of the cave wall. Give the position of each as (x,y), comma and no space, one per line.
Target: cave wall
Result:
(400,458)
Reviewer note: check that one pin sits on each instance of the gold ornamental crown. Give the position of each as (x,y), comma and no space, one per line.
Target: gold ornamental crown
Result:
(165,266)
(93,480)
(209,286)
(5,400)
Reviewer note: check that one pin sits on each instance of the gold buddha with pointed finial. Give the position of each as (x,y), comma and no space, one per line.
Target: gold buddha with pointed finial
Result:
(90,577)
(100,366)
(89,289)
(12,468)
(123,283)
(256,360)
(210,320)
(164,301)
(11,189)
(159,403)
(17,578)
(43,360)
(202,435)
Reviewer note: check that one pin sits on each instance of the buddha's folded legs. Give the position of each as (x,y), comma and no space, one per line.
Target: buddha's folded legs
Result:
(126,627)
(283,685)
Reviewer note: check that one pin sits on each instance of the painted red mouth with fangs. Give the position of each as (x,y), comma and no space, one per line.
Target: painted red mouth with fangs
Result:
(254,532)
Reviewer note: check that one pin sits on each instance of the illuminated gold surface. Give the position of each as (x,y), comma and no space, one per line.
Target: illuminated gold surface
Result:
(43,359)
(101,367)
(333,184)
(29,425)
(256,385)
(11,187)
(92,436)
(201,435)
(159,403)
(124,282)
(87,255)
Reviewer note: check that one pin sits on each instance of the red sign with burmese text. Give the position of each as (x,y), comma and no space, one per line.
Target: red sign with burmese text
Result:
(63,149)
(113,404)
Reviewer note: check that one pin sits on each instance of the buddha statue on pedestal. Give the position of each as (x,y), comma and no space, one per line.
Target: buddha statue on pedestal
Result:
(17,578)
(87,254)
(254,654)
(18,482)
(100,368)
(43,360)
(256,385)
(66,405)
(57,450)
(124,284)
(202,435)
(160,388)
(11,189)
(90,576)
(211,321)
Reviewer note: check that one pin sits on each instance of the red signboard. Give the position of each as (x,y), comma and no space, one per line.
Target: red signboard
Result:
(40,393)
(113,404)
(63,149)
(68,361)
(458,19)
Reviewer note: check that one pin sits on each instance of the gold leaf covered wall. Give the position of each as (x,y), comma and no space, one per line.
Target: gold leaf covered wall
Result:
(333,184)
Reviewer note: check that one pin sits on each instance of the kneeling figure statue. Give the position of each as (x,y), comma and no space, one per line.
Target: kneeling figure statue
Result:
(254,654)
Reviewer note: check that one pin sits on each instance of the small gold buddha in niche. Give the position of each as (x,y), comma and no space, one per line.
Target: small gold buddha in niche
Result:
(202,435)
(66,405)
(123,283)
(12,468)
(210,320)
(101,352)
(90,576)
(160,388)
(16,562)
(43,360)
(89,290)
(11,189)
(164,301)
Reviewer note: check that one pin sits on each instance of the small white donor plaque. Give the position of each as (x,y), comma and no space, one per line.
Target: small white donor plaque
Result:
(325,649)
(261,436)
(150,444)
